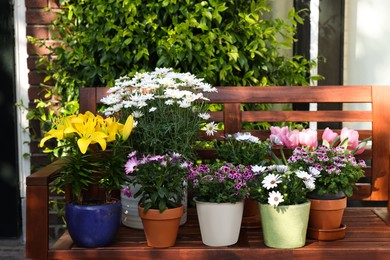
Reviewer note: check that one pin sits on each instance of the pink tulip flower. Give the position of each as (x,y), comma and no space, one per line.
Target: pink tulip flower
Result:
(292,139)
(328,137)
(284,137)
(275,136)
(308,138)
(353,138)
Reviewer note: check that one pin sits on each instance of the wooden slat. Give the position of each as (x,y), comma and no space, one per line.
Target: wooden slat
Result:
(306,116)
(289,94)
(89,100)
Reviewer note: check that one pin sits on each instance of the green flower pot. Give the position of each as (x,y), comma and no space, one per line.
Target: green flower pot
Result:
(285,226)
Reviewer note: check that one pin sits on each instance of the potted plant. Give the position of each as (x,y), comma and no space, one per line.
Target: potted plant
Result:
(336,170)
(85,166)
(161,180)
(220,190)
(246,149)
(169,109)
(281,193)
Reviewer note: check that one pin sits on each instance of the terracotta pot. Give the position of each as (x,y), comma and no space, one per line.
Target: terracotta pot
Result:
(327,214)
(161,228)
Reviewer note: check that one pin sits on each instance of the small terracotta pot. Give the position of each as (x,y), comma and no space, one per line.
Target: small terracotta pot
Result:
(327,214)
(161,228)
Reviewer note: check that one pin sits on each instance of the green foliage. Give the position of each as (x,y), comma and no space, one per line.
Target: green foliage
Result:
(161,179)
(226,42)
(242,148)
(219,182)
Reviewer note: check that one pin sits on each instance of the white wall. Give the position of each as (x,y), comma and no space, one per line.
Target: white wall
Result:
(366,48)
(21,80)
(367,38)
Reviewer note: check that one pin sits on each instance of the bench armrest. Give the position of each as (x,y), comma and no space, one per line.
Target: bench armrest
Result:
(37,210)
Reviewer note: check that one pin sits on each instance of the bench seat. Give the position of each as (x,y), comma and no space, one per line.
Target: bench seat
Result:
(367,236)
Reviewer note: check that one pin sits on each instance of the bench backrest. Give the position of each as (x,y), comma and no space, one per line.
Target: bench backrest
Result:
(375,185)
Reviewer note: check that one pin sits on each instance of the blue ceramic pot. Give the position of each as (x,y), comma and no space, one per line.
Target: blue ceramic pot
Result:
(93,226)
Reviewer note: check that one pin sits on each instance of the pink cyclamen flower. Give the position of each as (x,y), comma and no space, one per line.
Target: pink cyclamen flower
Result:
(308,137)
(328,137)
(353,138)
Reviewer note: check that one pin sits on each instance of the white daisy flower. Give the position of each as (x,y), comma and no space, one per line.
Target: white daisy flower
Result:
(137,114)
(152,109)
(282,168)
(304,175)
(271,181)
(204,116)
(310,184)
(258,169)
(275,198)
(314,171)
(211,128)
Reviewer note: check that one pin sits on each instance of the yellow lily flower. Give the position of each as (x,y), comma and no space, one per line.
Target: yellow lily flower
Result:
(57,132)
(128,128)
(111,130)
(85,127)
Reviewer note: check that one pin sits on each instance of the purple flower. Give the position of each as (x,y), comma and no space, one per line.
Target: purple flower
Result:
(131,165)
(126,191)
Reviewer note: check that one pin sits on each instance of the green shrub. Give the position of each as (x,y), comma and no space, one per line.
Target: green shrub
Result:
(226,42)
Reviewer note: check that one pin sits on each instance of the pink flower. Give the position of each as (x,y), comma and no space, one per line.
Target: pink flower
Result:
(275,136)
(126,191)
(353,138)
(292,139)
(308,137)
(361,147)
(284,137)
(328,137)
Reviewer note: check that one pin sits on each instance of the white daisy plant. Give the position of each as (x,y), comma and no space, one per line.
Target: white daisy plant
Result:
(279,185)
(170,108)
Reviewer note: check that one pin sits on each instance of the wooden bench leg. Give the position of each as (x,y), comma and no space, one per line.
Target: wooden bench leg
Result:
(37,214)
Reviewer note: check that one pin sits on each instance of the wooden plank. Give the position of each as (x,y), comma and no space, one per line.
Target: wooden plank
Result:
(292,94)
(380,139)
(232,118)
(45,175)
(307,116)
(366,235)
(88,96)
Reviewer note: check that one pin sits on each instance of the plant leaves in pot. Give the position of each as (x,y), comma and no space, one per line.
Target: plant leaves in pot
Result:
(92,150)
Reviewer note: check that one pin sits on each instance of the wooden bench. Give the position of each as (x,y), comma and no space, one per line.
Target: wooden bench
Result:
(367,233)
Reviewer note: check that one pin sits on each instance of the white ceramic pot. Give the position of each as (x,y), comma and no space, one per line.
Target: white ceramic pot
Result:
(219,223)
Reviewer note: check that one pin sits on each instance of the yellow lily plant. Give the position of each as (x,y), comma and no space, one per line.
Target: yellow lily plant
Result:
(90,129)
(84,164)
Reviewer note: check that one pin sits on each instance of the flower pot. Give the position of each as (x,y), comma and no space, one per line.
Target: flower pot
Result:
(219,222)
(161,228)
(285,226)
(327,214)
(130,216)
(93,226)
